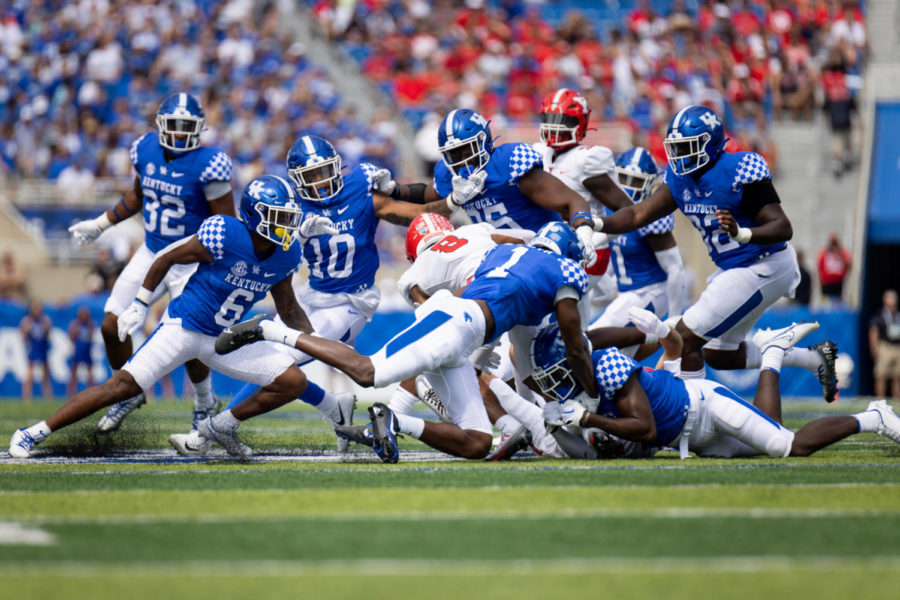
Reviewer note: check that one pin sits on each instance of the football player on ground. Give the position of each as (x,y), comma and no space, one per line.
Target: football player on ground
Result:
(240,261)
(177,185)
(341,295)
(730,199)
(588,170)
(514,285)
(657,407)
(648,267)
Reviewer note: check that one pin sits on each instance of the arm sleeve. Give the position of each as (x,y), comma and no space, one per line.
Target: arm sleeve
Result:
(212,235)
(523,159)
(218,169)
(612,372)
(216,189)
(368,170)
(598,161)
(671,263)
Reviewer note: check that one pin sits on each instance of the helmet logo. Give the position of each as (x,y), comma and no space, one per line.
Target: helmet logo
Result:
(255,188)
(477,118)
(580,101)
(239,269)
(710,119)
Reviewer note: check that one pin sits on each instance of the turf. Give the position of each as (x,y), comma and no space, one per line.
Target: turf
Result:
(114,522)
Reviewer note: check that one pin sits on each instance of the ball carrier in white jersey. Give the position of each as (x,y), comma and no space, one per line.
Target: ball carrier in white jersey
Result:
(730,199)
(587,170)
(239,262)
(177,185)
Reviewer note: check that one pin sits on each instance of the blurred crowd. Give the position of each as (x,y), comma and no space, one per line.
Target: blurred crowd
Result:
(83,78)
(756,61)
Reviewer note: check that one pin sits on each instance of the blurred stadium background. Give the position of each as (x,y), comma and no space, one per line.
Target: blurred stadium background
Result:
(82,79)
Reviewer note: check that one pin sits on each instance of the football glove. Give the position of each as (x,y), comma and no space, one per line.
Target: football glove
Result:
(647,322)
(89,230)
(133,317)
(316,225)
(383,182)
(466,189)
(586,236)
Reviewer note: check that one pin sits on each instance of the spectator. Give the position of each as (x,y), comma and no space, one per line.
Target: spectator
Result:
(12,278)
(834,265)
(106,269)
(803,293)
(35,328)
(884,344)
(839,106)
(81,333)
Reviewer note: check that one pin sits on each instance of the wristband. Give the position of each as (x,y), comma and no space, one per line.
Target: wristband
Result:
(143,296)
(743,235)
(581,214)
(598,224)
(103,223)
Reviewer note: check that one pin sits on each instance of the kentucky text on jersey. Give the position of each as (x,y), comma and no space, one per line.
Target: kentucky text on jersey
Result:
(248,284)
(161,186)
(699,209)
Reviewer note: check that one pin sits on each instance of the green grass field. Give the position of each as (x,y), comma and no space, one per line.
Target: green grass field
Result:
(124,517)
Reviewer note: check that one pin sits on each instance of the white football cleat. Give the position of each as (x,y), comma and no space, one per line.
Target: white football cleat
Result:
(113,418)
(22,443)
(342,416)
(190,444)
(227,439)
(784,338)
(430,398)
(890,422)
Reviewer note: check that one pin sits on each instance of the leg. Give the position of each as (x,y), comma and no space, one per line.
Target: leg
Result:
(768,394)
(449,438)
(692,350)
(117,353)
(120,386)
(727,359)
(72,386)
(822,432)
(28,382)
(286,387)
(46,387)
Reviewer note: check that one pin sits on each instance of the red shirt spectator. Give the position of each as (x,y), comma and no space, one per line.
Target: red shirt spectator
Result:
(834,264)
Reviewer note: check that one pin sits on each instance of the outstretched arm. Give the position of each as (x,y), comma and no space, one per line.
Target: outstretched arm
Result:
(187,251)
(658,205)
(577,355)
(549,192)
(402,213)
(130,204)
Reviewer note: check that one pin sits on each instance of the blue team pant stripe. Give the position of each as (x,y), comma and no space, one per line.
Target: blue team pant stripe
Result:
(243,393)
(724,391)
(736,316)
(415,332)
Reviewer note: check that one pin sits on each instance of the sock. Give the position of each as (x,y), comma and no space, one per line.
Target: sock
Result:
(803,357)
(313,394)
(869,421)
(245,392)
(754,358)
(279,332)
(522,410)
(39,431)
(225,421)
(772,359)
(203,393)
(326,405)
(411,426)
(402,401)
(507,424)
(701,374)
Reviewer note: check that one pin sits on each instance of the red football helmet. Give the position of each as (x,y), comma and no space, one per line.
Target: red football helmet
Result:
(564,118)
(425,231)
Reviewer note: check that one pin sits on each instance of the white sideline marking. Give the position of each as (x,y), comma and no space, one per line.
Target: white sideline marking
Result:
(407,567)
(16,534)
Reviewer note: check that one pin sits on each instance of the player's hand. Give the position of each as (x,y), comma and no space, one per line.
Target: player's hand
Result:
(572,412)
(586,235)
(727,222)
(316,225)
(133,317)
(85,232)
(553,414)
(384,182)
(647,322)
(465,189)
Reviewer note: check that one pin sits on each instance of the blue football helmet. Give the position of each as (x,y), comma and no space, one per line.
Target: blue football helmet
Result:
(559,238)
(269,207)
(465,142)
(180,121)
(315,168)
(695,138)
(637,172)
(551,372)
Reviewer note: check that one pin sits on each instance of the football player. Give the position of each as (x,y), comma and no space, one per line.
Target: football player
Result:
(730,199)
(505,185)
(178,184)
(514,285)
(240,261)
(648,267)
(656,407)
(341,295)
(588,170)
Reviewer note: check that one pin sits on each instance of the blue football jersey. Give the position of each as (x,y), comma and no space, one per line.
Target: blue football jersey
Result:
(501,203)
(634,261)
(174,202)
(520,283)
(219,293)
(720,187)
(347,261)
(669,399)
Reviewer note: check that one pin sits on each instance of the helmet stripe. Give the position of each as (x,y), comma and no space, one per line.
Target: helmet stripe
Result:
(182,100)
(287,186)
(448,130)
(557,97)
(636,158)
(677,118)
(308,145)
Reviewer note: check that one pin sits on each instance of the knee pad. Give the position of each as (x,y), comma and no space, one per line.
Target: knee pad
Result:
(779,446)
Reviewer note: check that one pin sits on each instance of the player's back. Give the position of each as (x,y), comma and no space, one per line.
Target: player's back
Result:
(172,184)
(520,284)
(347,261)
(502,203)
(450,263)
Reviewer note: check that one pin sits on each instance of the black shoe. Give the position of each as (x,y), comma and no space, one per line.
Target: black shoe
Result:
(240,335)
(827,352)
(361,434)
(384,433)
